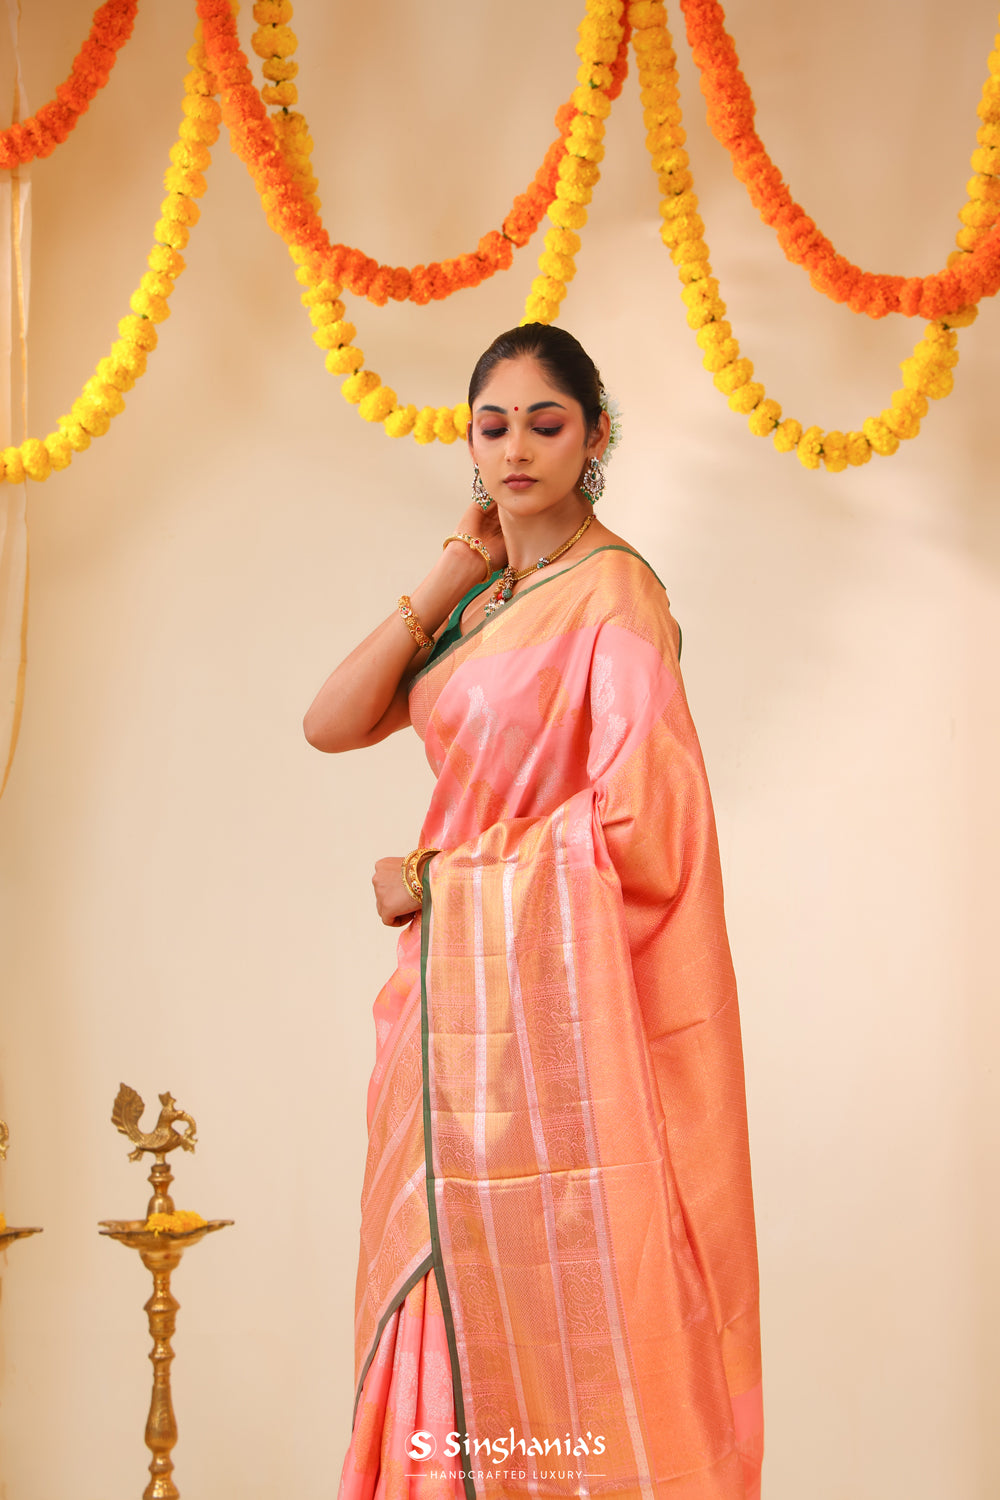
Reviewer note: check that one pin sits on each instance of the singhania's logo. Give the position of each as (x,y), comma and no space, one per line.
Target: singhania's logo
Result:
(422,1445)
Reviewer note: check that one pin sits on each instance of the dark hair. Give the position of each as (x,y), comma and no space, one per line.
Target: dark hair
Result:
(565,361)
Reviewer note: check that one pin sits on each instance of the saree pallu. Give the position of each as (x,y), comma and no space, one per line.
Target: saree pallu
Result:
(557,1114)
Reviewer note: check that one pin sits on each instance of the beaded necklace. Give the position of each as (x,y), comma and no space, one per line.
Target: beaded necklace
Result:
(508,578)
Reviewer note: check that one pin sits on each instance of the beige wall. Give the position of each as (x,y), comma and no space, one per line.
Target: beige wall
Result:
(185,900)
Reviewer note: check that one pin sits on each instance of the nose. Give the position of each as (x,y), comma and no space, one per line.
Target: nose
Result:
(516,449)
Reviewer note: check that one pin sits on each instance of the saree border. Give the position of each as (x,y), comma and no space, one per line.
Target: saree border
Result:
(425,1265)
(469,634)
(436,1255)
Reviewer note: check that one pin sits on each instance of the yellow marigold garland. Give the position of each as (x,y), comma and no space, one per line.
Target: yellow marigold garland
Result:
(101,397)
(295,219)
(600,37)
(926,374)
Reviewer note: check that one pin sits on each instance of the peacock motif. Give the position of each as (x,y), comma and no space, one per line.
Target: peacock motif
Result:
(127,1112)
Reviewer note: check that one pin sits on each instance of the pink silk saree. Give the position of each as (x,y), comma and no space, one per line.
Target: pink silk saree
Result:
(557,1206)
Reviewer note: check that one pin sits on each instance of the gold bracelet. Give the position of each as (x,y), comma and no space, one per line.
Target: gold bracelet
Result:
(413,625)
(412,872)
(474,543)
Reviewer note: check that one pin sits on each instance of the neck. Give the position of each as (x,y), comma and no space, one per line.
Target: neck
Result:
(527,538)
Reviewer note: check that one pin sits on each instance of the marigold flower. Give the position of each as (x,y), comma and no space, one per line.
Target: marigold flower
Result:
(344,361)
(280,69)
(191,184)
(568,215)
(92,417)
(859,449)
(153,308)
(104,397)
(787,435)
(191,155)
(914,402)
(139,332)
(170,232)
(746,397)
(377,404)
(882,440)
(721,355)
(423,427)
(157,284)
(274,41)
(76,435)
(280,93)
(60,450)
(272,12)
(905,424)
(199,132)
(400,422)
(445,429)
(181,1221)
(35,458)
(13,465)
(764,418)
(113,373)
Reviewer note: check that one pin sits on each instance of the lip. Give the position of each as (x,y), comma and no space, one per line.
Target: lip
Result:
(519,481)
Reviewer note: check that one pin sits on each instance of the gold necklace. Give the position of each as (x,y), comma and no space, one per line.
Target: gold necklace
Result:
(508,578)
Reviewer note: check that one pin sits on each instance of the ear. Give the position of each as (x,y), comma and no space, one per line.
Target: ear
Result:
(601,437)
(468,437)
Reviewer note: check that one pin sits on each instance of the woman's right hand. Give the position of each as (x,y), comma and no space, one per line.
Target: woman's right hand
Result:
(485,527)
(393,896)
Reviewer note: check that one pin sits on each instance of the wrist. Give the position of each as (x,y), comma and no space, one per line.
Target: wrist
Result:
(461,566)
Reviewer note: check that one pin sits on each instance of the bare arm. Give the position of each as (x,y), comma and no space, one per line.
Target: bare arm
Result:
(365,698)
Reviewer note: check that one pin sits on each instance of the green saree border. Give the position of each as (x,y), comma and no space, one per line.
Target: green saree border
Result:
(436,1255)
(400,1297)
(609,547)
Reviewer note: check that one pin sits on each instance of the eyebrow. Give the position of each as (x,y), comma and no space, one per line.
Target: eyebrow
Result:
(538,406)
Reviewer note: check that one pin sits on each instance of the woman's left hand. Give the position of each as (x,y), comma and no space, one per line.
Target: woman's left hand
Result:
(393,897)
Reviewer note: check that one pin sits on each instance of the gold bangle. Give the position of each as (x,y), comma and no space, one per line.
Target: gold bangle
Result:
(413,625)
(474,543)
(412,872)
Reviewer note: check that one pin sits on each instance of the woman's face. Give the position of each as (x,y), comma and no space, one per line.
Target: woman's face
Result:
(529,438)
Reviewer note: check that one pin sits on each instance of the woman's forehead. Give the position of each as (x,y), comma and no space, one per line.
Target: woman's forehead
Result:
(519,383)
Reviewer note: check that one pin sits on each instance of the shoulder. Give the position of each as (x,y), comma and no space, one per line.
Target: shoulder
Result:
(622,593)
(616,563)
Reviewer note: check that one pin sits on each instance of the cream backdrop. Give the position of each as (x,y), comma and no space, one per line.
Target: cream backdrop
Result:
(185,883)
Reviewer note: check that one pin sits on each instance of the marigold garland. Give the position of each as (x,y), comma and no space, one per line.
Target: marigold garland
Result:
(604,31)
(294,217)
(277,150)
(275,41)
(926,375)
(101,398)
(48,127)
(973,272)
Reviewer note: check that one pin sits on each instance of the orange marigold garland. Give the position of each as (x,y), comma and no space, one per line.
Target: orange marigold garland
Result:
(970,275)
(102,398)
(926,375)
(291,214)
(604,31)
(275,41)
(49,126)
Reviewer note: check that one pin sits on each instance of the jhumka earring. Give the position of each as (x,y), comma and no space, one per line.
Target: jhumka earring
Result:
(592,482)
(480,493)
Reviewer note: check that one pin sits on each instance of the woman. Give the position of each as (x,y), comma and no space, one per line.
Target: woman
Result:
(557,1292)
